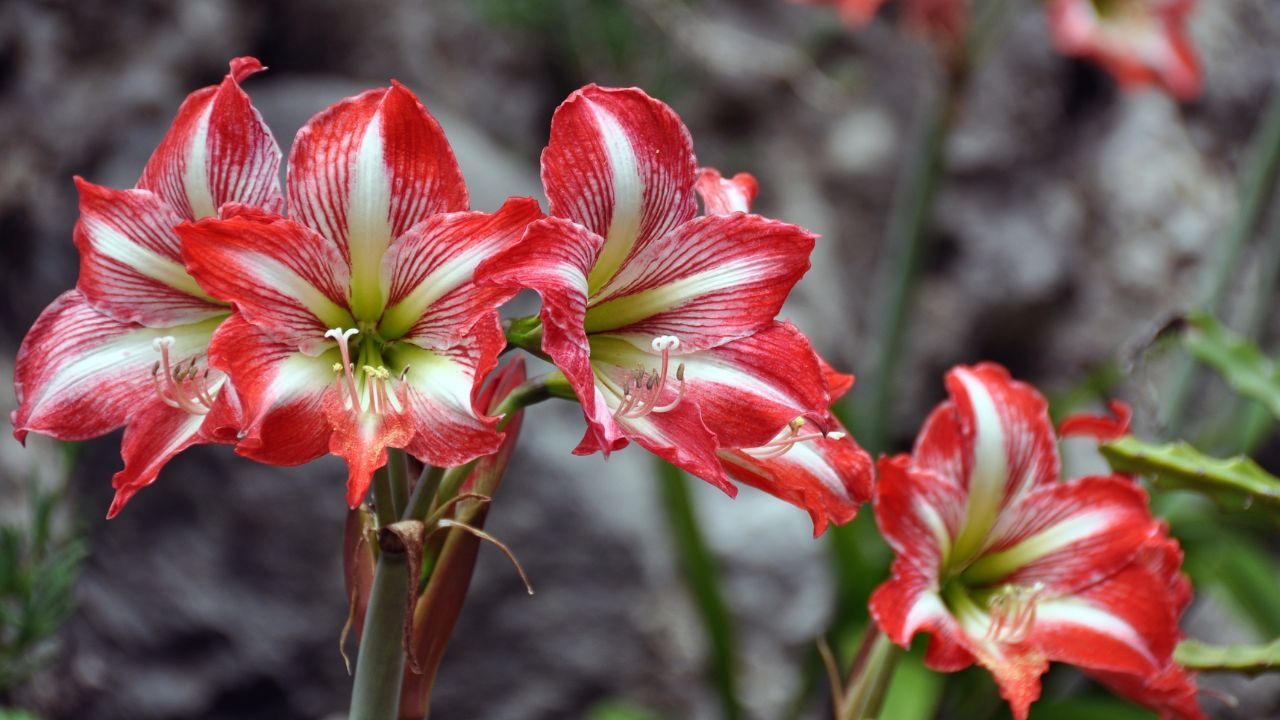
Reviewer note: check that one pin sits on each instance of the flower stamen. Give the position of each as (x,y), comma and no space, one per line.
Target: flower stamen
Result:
(642,390)
(788,439)
(342,337)
(1013,612)
(180,388)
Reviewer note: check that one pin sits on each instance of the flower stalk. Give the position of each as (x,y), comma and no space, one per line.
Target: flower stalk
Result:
(375,694)
(870,676)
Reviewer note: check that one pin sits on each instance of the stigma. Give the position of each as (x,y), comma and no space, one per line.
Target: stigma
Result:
(642,389)
(185,388)
(1013,612)
(791,436)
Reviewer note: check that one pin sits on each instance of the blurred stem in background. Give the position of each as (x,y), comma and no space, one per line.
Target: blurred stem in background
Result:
(869,678)
(375,695)
(698,567)
(1257,185)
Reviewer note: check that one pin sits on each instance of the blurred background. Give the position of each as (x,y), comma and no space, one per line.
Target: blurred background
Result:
(1072,222)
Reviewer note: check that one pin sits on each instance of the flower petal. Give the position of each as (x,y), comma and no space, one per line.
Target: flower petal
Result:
(154,435)
(283,277)
(553,259)
(746,391)
(1171,693)
(440,386)
(1143,43)
(621,164)
(1067,535)
(430,271)
(362,439)
(1098,427)
(992,439)
(919,514)
(282,393)
(707,281)
(218,150)
(81,374)
(838,383)
(829,478)
(131,261)
(721,196)
(364,171)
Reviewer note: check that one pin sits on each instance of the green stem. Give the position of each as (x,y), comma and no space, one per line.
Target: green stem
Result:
(398,477)
(424,493)
(700,574)
(905,244)
(375,694)
(869,679)
(1257,184)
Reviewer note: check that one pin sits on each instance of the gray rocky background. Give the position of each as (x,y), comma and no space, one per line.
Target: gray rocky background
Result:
(1074,221)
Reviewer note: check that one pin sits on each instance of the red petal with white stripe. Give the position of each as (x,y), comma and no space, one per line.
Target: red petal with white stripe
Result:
(621,164)
(281,391)
(218,150)
(283,277)
(553,259)
(440,387)
(430,271)
(364,171)
(80,374)
(155,434)
(131,262)
(721,196)
(830,478)
(708,281)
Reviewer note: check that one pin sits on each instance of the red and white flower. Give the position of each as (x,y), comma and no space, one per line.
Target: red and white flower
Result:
(942,19)
(128,345)
(358,324)
(1141,42)
(1004,564)
(664,321)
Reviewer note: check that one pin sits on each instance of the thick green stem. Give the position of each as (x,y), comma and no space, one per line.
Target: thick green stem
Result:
(424,493)
(380,662)
(398,476)
(870,677)
(700,574)
(1257,184)
(905,244)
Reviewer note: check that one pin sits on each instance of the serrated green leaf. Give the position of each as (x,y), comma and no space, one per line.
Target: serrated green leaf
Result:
(1240,363)
(1236,482)
(1251,659)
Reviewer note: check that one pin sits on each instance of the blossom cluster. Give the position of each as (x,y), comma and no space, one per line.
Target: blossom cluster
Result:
(356,309)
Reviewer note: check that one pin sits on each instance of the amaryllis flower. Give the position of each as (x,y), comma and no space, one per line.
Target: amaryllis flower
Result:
(358,324)
(664,321)
(1008,566)
(943,19)
(1141,42)
(129,344)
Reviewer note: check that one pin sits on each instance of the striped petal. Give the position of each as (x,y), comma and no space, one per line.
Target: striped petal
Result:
(366,170)
(553,259)
(156,433)
(746,391)
(992,439)
(282,393)
(430,272)
(621,164)
(828,477)
(721,196)
(1171,693)
(1067,535)
(283,277)
(1140,43)
(80,373)
(441,384)
(131,262)
(218,150)
(919,514)
(708,281)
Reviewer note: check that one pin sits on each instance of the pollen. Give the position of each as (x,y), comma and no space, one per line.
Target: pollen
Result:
(185,388)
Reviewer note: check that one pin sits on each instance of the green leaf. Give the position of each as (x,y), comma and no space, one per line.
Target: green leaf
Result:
(1245,368)
(619,711)
(1089,707)
(1236,482)
(1250,659)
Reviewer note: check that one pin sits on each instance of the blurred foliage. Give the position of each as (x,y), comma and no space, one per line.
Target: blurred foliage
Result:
(592,40)
(1236,482)
(615,710)
(39,565)
(698,567)
(1240,363)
